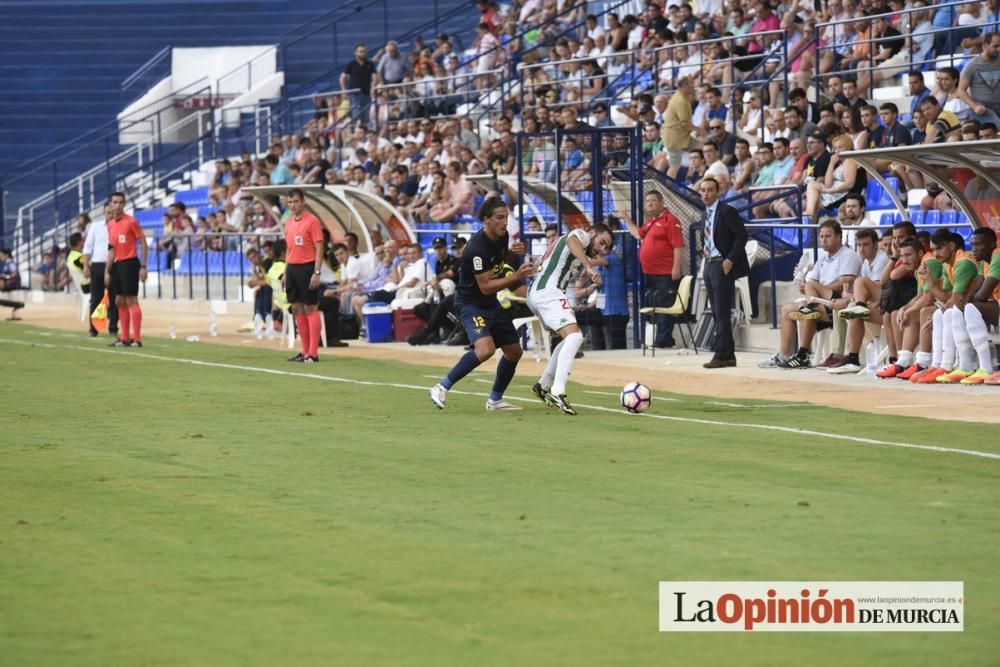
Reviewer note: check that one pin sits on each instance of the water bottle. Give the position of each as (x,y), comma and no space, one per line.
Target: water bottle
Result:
(213,325)
(173,331)
(870,353)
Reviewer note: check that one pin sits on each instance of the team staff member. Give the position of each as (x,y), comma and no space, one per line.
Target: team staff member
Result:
(124,270)
(724,246)
(480,277)
(95,261)
(661,257)
(304,260)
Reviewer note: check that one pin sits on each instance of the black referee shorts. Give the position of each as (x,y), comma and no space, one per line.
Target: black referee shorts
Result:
(297,277)
(125,277)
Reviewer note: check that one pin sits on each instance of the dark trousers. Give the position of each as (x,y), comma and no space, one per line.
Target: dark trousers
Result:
(721,290)
(435,314)
(97,288)
(607,332)
(262,301)
(661,292)
(330,307)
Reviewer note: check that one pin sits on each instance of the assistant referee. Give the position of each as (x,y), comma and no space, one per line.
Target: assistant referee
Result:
(304,236)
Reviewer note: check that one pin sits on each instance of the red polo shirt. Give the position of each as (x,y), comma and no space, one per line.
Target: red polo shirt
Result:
(660,236)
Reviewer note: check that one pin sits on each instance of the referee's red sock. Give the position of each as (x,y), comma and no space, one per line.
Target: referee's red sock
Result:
(135,312)
(124,317)
(303,324)
(314,324)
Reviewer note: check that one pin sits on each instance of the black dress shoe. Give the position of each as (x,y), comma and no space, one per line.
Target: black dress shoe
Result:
(418,337)
(458,338)
(335,343)
(719,363)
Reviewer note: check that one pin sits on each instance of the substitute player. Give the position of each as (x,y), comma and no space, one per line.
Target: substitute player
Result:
(124,270)
(488,325)
(969,324)
(547,299)
(304,238)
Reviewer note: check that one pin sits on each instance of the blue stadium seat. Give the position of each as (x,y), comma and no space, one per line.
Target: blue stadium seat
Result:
(932,218)
(949,217)
(965,233)
(193,197)
(917,217)
(887,219)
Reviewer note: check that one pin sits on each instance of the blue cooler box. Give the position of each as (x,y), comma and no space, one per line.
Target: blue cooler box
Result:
(378,322)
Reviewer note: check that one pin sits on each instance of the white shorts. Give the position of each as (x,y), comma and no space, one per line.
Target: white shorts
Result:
(552,308)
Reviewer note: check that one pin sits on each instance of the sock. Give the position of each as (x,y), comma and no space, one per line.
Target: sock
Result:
(550,368)
(465,365)
(505,373)
(123,322)
(135,314)
(314,337)
(966,355)
(905,358)
(924,359)
(803,352)
(937,336)
(303,324)
(947,346)
(854,358)
(570,345)
(258,323)
(979,336)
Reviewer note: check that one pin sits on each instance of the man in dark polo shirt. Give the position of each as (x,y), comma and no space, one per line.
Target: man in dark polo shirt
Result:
(359,77)
(661,257)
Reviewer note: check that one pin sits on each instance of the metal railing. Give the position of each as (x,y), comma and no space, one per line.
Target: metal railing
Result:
(830,28)
(133,171)
(399,101)
(249,74)
(152,71)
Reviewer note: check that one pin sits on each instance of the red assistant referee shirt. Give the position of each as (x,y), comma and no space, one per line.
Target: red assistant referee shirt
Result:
(123,234)
(660,236)
(301,235)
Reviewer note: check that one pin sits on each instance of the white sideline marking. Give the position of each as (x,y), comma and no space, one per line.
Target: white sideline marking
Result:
(765,405)
(907,405)
(616,411)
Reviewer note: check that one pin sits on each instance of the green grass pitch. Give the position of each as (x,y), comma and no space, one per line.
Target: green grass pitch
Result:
(159,512)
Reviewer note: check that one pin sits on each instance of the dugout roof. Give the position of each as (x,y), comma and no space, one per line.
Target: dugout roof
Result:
(969,171)
(343,209)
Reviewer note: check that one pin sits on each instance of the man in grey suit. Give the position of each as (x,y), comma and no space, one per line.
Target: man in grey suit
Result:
(724,245)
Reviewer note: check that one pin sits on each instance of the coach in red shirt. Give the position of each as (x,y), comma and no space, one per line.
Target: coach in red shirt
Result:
(661,256)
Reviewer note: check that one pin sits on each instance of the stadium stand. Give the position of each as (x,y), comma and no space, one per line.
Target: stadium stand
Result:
(776,89)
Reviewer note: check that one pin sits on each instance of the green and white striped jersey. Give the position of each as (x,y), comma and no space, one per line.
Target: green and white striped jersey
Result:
(558,262)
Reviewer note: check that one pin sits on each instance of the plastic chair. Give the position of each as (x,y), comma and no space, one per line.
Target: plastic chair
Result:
(679,307)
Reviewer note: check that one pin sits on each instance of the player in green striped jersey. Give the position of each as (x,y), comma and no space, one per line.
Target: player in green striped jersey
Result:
(547,299)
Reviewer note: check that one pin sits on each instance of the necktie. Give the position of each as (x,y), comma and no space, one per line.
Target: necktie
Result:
(709,244)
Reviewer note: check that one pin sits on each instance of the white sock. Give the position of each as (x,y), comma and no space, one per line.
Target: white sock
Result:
(570,346)
(947,346)
(979,336)
(966,355)
(905,358)
(923,359)
(550,368)
(937,333)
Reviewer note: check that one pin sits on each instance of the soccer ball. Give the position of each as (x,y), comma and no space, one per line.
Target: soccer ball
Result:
(636,397)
